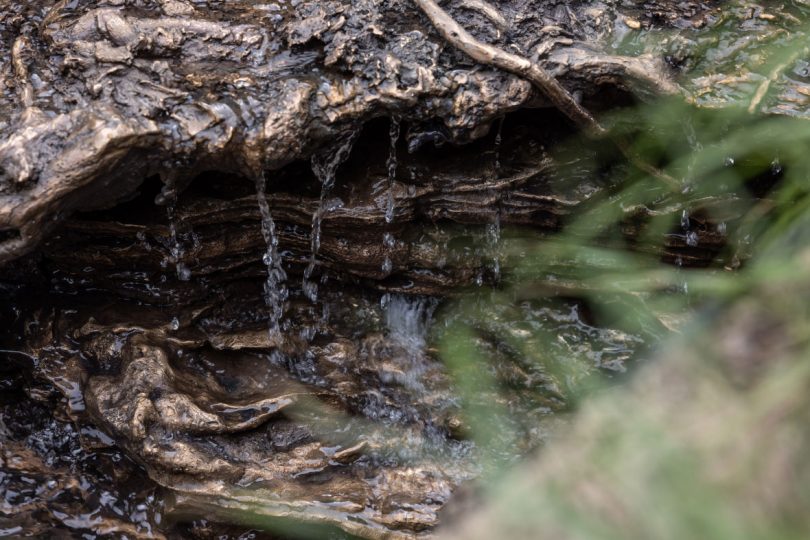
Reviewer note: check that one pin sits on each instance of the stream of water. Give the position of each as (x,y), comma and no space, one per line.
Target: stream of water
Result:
(390,204)
(325,166)
(169,194)
(275,289)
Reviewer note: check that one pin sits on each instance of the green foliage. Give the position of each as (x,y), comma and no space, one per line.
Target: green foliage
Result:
(710,439)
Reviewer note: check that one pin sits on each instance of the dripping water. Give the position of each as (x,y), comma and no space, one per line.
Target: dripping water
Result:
(388,242)
(169,195)
(325,167)
(275,290)
(493,241)
(493,233)
(388,239)
(497,148)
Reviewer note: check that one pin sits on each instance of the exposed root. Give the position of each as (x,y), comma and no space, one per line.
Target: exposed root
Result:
(487,10)
(561,98)
(523,67)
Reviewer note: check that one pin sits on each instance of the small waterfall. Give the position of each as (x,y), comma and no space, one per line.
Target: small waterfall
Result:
(388,239)
(409,320)
(325,167)
(275,290)
(169,195)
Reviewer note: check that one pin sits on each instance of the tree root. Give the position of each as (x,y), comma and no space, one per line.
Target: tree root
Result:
(561,98)
(523,67)
(488,11)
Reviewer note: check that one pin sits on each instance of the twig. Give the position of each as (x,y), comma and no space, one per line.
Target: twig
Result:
(490,55)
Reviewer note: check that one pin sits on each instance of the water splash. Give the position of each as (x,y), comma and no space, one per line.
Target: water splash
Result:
(408,320)
(325,166)
(169,196)
(275,290)
(390,204)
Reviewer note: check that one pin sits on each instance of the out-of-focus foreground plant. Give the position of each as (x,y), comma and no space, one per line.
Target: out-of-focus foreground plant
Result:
(710,436)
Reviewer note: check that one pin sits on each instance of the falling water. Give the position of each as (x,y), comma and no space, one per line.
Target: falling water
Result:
(690,237)
(409,320)
(493,234)
(325,167)
(388,242)
(493,242)
(388,238)
(169,195)
(497,149)
(275,290)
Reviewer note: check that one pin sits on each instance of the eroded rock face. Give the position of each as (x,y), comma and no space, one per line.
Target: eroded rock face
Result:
(347,417)
(100,95)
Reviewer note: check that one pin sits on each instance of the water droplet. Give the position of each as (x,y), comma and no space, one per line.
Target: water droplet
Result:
(685,220)
(175,324)
(728,162)
(692,239)
(721,227)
